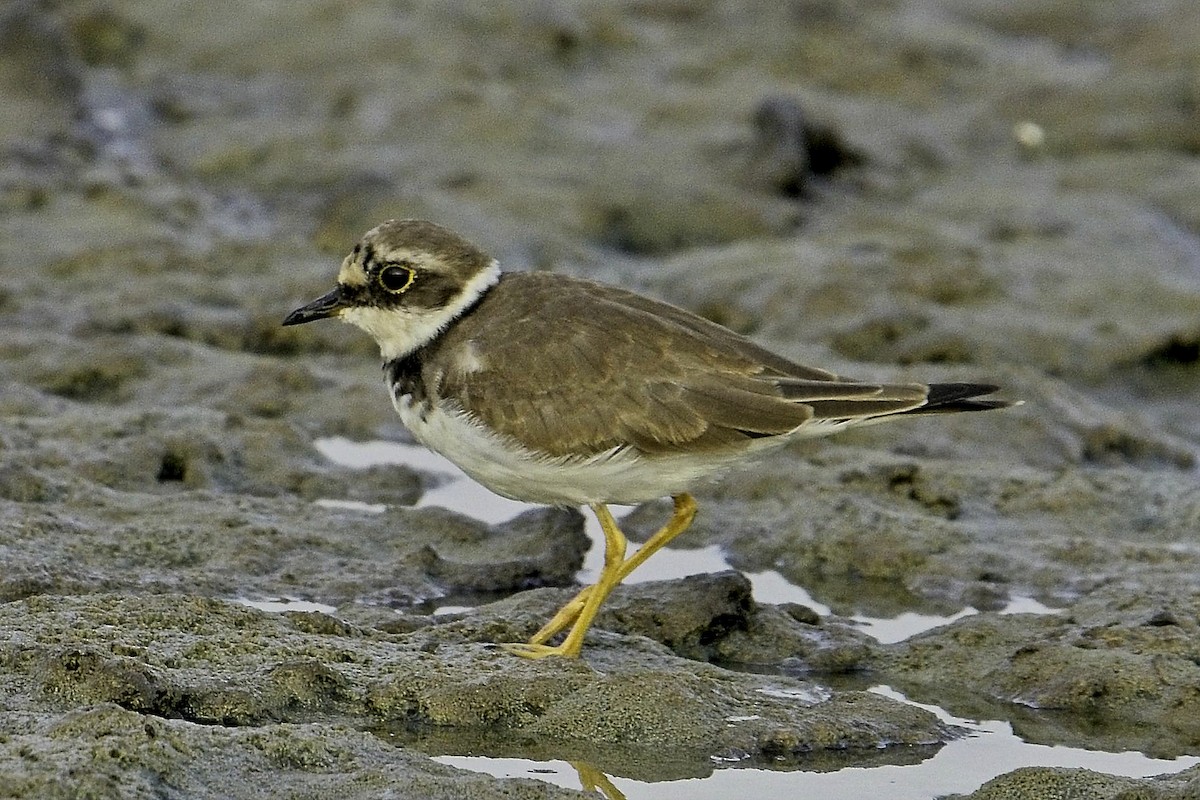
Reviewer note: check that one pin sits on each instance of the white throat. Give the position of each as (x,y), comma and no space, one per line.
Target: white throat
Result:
(400,331)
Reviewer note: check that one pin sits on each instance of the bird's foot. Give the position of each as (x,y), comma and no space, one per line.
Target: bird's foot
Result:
(531,650)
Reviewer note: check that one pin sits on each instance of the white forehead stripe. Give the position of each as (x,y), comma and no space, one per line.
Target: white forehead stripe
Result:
(351,273)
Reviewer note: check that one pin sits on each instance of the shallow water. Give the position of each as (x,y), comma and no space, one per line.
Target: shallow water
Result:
(459,493)
(990,749)
(960,766)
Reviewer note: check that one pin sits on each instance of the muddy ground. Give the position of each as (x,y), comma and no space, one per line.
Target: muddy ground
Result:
(930,189)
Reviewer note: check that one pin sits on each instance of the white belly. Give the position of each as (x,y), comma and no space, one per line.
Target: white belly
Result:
(620,476)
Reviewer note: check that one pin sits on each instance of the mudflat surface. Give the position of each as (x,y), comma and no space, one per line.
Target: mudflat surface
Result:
(936,190)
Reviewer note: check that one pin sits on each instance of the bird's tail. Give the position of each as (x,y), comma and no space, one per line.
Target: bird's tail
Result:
(946,398)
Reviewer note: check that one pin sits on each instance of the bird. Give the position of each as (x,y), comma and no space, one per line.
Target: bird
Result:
(555,390)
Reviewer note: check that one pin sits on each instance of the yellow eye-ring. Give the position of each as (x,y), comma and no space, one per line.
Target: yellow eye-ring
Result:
(396,279)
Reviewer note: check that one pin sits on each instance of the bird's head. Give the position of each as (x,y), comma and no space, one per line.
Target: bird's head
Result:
(403,283)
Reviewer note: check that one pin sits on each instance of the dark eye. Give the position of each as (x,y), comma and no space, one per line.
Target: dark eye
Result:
(395,279)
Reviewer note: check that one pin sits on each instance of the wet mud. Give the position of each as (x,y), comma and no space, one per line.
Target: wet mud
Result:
(944,190)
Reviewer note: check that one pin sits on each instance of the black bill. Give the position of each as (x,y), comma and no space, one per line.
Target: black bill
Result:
(327,305)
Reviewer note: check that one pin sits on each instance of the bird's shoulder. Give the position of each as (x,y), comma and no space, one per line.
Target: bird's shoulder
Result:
(526,308)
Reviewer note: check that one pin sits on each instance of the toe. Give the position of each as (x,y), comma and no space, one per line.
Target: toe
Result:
(526,650)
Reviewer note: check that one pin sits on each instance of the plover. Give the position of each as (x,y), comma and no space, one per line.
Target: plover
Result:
(555,390)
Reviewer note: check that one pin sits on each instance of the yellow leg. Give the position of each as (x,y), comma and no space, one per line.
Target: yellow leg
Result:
(610,576)
(593,780)
(685,511)
(680,521)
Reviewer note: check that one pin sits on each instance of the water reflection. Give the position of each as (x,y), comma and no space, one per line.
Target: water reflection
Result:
(990,749)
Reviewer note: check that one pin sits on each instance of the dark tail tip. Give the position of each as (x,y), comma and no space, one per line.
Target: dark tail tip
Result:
(946,398)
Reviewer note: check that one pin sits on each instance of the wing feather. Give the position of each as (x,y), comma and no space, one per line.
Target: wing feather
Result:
(605,368)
